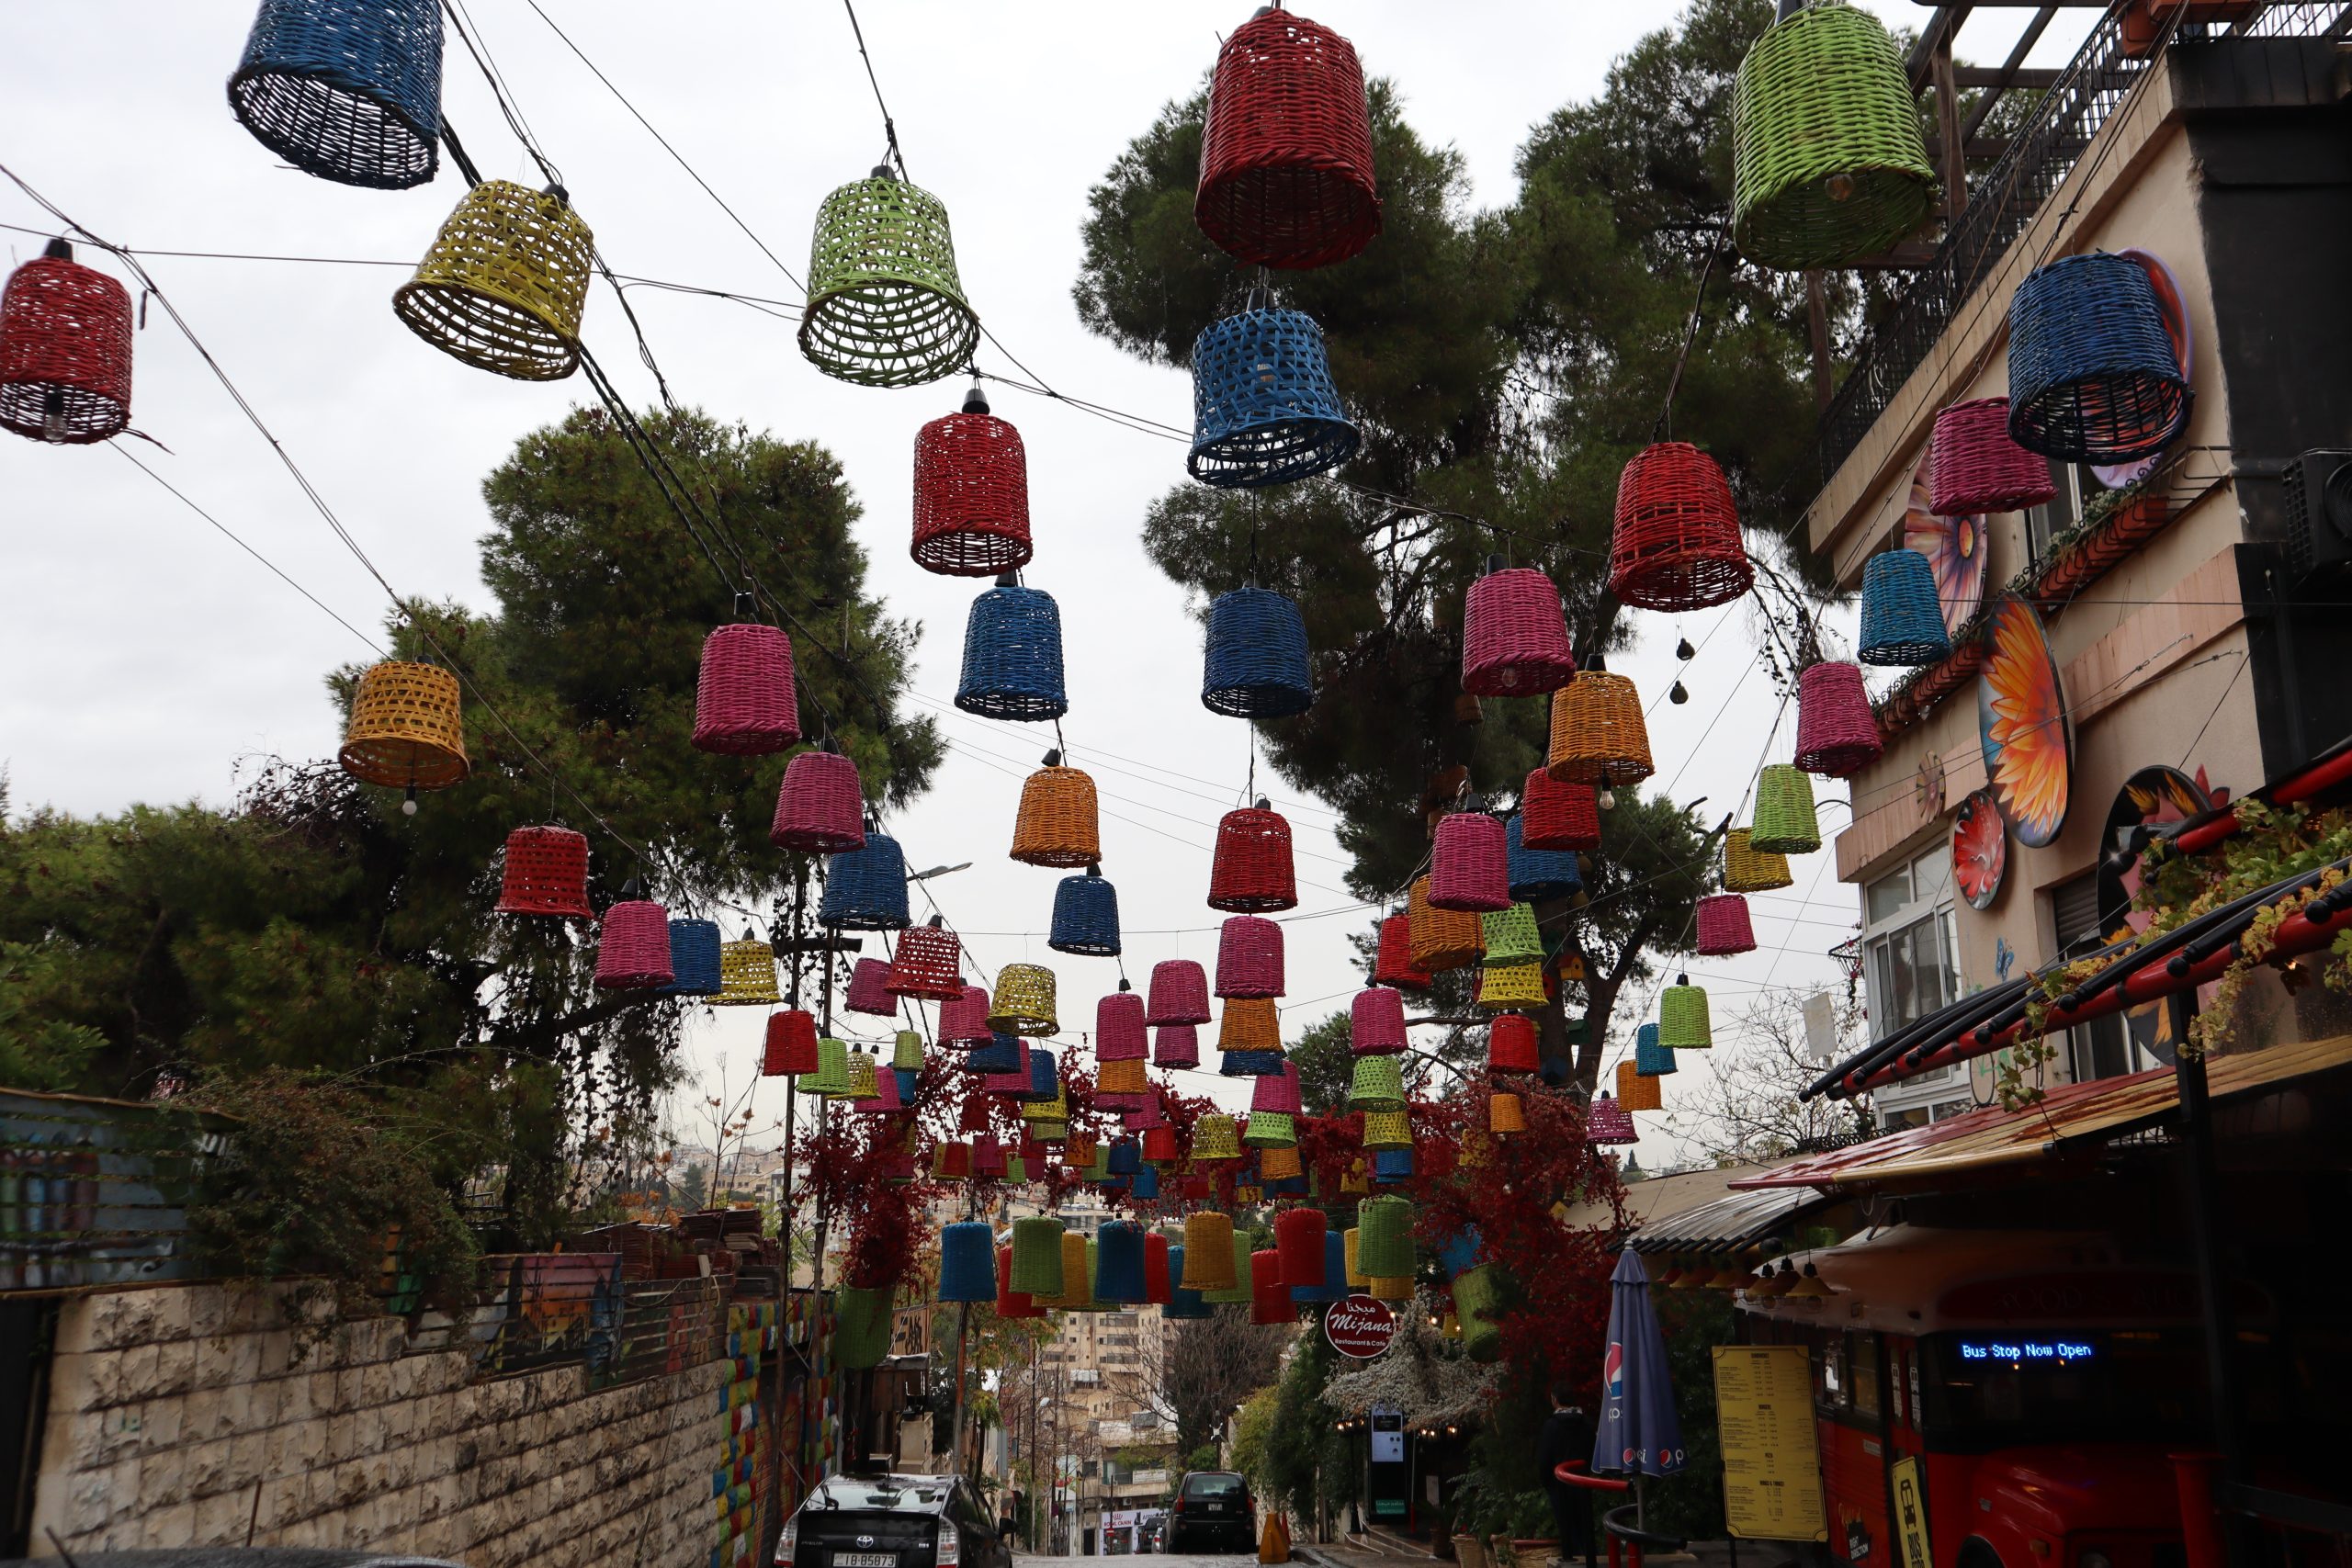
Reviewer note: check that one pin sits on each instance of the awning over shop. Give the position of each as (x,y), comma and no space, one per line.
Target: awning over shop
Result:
(2061,1120)
(1734,1221)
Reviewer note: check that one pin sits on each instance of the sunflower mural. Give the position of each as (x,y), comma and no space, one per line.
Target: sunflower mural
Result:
(2021,723)
(1954,548)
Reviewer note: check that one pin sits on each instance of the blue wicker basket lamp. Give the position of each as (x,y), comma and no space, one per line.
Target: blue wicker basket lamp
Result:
(1086,919)
(1256,666)
(886,307)
(1013,655)
(2093,378)
(1651,1060)
(694,968)
(1536,876)
(968,1262)
(1903,621)
(348,90)
(1264,410)
(865,888)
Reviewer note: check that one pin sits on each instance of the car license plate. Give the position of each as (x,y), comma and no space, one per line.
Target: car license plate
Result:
(1213,1507)
(866,1559)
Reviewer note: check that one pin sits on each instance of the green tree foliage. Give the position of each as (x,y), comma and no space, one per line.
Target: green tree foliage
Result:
(1504,365)
(317,929)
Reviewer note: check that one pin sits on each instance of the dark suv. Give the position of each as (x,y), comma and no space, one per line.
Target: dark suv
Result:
(1212,1506)
(892,1521)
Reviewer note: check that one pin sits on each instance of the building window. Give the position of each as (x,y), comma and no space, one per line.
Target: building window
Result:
(2077,487)
(2103,1048)
(1908,941)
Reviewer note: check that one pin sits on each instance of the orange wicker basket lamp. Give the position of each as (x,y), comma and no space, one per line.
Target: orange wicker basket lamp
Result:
(546,873)
(1442,939)
(406,730)
(1251,873)
(1598,733)
(1505,1115)
(504,283)
(1286,177)
(971,494)
(1058,824)
(886,306)
(64,351)
(1635,1092)
(1676,544)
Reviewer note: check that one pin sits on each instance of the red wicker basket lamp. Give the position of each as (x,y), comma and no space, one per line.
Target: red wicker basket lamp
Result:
(64,351)
(928,962)
(1837,733)
(1555,816)
(1252,872)
(406,729)
(971,494)
(1514,635)
(1676,542)
(1724,926)
(1393,964)
(1511,1046)
(820,808)
(791,1043)
(1286,174)
(744,704)
(546,873)
(1057,825)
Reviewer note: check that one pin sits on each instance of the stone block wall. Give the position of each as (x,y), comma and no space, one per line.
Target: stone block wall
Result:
(183,1416)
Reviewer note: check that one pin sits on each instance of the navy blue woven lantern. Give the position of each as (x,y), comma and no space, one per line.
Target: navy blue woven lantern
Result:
(1392,1165)
(1264,410)
(1045,1077)
(1013,655)
(1000,1054)
(1334,1287)
(2093,375)
(1256,666)
(1086,916)
(1251,1063)
(1538,874)
(866,889)
(968,1262)
(348,90)
(1126,1158)
(908,1078)
(694,959)
(1180,1302)
(1651,1060)
(1118,1263)
(1902,621)
(1145,1183)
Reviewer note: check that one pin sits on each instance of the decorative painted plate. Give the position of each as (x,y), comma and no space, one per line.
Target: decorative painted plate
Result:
(2153,795)
(2021,723)
(2184,348)
(1980,849)
(1953,545)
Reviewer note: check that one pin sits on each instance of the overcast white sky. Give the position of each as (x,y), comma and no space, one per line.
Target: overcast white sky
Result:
(155,660)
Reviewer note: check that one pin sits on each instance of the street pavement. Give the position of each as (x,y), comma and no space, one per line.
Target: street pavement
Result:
(1148,1559)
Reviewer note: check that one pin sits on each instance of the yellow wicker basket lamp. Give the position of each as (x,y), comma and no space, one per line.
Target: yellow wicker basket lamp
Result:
(1024,1003)
(1597,734)
(1747,869)
(746,974)
(1511,986)
(407,731)
(1440,939)
(504,283)
(1058,824)
(1387,1130)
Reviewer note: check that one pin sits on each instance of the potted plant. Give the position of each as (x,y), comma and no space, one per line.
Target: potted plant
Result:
(1470,1520)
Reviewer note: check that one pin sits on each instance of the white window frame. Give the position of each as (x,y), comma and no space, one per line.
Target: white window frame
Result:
(1877,934)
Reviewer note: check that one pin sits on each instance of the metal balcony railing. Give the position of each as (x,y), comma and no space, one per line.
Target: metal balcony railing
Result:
(2045,151)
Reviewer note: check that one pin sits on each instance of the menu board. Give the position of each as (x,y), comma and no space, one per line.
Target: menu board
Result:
(1772,1456)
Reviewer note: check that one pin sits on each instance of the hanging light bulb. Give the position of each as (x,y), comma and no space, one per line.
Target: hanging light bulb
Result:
(1606,799)
(1684,651)
(1677,694)
(408,802)
(52,415)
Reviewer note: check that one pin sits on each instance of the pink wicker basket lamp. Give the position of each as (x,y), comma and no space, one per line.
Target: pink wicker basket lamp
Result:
(633,946)
(744,704)
(869,989)
(1119,1028)
(1514,635)
(1974,467)
(1377,1023)
(1837,733)
(1470,866)
(1180,993)
(1724,926)
(820,808)
(1250,957)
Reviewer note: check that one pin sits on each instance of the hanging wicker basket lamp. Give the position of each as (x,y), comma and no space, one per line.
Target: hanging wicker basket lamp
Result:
(1511,986)
(1024,1003)
(1511,1044)
(1264,410)
(348,90)
(1470,862)
(1650,1058)
(1837,733)
(1903,620)
(1250,1027)
(1635,1092)
(1511,937)
(407,731)
(885,306)
(745,700)
(1013,655)
(1538,874)
(1556,815)
(1723,927)
(869,989)
(971,507)
(1514,635)
(1608,1122)
(1973,467)
(1180,993)
(1393,962)
(546,873)
(64,351)
(821,807)
(1597,734)
(1119,1028)
(1056,825)
(1176,1045)
(1682,1022)
(1378,1083)
(747,974)
(1827,163)
(1506,1117)
(1250,872)
(2093,376)
(928,962)
(1255,665)
(1675,543)
(1086,919)
(1784,823)
(865,888)
(633,946)
(504,283)
(1747,869)
(1377,1023)
(1250,957)
(791,1046)
(1286,174)
(1442,939)
(965,1020)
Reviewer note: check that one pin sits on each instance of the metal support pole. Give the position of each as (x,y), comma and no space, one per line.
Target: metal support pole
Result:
(2201,1186)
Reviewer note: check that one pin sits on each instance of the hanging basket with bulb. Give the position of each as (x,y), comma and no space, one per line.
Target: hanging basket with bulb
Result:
(348,90)
(1250,872)
(865,888)
(821,807)
(407,731)
(1973,468)
(1470,864)
(1287,173)
(1384,1236)
(747,974)
(1827,163)
(1903,621)
(1256,662)
(633,946)
(1650,1058)
(1393,961)
(1837,733)
(1723,927)
(1121,1084)
(1377,1023)
(1013,655)
(1511,937)
(2093,375)
(546,873)
(1675,543)
(971,505)
(1597,734)
(1511,1044)
(928,962)
(1514,635)
(1784,823)
(791,1045)
(1086,917)
(1537,876)
(1119,1028)
(1682,1022)
(1180,993)
(886,307)
(1556,815)
(1747,869)
(1024,1003)
(744,703)
(503,286)
(1511,986)
(1442,939)
(64,351)
(1058,824)
(869,989)
(1250,957)
(1264,410)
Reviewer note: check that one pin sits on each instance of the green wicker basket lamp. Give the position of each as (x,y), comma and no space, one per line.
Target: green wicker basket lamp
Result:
(1827,163)
(886,307)
(1784,824)
(1682,1024)
(504,283)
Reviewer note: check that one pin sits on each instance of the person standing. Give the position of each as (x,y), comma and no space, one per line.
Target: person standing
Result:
(1566,1435)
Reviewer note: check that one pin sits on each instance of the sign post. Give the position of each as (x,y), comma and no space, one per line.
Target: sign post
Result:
(1771,1453)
